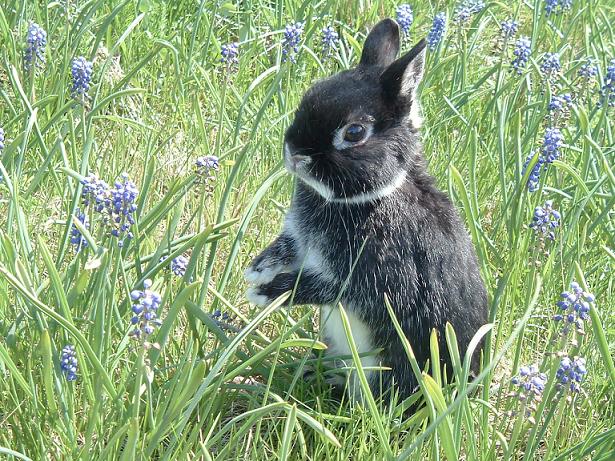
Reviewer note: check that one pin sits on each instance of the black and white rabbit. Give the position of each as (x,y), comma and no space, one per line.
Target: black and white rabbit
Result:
(367,220)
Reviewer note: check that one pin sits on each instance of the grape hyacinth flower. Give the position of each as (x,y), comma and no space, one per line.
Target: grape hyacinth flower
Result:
(405,17)
(533,182)
(76,238)
(557,6)
(545,220)
(523,49)
(467,8)
(551,6)
(529,384)
(549,152)
(550,65)
(205,168)
(68,363)
(291,40)
(551,144)
(224,320)
(438,28)
(560,103)
(145,307)
(462,15)
(570,374)
(81,71)
(574,308)
(95,191)
(330,39)
(509,28)
(230,54)
(36,41)
(178,265)
(607,92)
(121,207)
(219,315)
(559,108)
(589,70)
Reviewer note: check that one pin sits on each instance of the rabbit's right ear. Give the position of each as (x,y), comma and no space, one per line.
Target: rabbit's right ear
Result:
(382,44)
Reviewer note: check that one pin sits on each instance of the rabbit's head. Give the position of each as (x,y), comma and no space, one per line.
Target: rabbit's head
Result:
(355,135)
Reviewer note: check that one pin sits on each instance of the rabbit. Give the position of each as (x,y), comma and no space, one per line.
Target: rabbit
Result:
(367,220)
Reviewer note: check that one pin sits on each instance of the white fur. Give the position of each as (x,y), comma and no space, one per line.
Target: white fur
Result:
(365,197)
(259,300)
(260,277)
(375,194)
(309,255)
(337,343)
(414,116)
(322,189)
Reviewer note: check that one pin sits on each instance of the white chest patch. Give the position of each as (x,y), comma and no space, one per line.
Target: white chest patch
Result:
(335,337)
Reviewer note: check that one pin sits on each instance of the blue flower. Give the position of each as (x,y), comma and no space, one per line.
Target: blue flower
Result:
(550,64)
(550,151)
(571,373)
(560,103)
(68,363)
(121,207)
(291,40)
(509,28)
(607,92)
(557,6)
(76,238)
(330,39)
(81,71)
(465,9)
(145,307)
(178,265)
(545,220)
(205,168)
(574,308)
(116,204)
(95,192)
(589,70)
(523,49)
(551,144)
(230,54)
(438,28)
(36,41)
(529,385)
(533,182)
(405,17)
(223,319)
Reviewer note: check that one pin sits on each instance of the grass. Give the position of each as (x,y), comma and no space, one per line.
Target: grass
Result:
(204,389)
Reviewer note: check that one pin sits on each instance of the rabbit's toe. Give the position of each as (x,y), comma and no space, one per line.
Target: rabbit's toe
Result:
(255,296)
(258,274)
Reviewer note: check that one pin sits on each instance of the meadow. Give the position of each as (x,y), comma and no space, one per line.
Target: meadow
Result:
(141,171)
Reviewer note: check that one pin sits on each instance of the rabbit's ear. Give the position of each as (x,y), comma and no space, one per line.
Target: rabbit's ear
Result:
(401,78)
(382,44)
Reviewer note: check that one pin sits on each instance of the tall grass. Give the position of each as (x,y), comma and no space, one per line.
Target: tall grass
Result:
(232,384)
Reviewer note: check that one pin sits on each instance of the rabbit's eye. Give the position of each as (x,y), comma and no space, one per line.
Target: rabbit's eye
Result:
(354,133)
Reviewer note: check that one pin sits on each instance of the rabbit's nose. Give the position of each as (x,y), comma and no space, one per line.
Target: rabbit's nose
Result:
(293,158)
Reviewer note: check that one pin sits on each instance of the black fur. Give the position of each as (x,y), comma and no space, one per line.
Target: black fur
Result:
(410,245)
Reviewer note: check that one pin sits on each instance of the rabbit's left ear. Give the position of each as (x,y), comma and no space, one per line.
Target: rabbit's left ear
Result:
(401,78)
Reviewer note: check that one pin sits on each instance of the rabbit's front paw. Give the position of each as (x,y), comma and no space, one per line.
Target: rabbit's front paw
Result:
(264,294)
(262,271)
(255,296)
